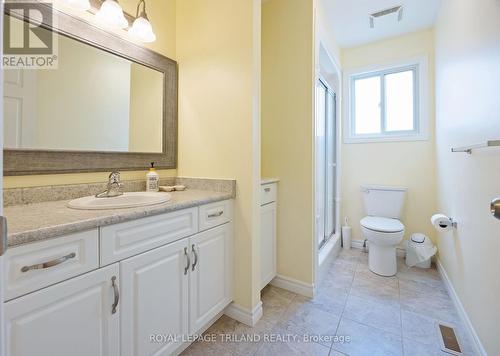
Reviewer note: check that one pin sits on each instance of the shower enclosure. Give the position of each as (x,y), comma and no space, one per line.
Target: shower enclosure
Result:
(326,165)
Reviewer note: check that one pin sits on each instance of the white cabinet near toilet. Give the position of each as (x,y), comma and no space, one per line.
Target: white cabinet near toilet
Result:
(268,217)
(75,317)
(154,300)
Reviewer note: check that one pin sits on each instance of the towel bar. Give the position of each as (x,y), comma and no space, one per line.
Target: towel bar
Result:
(468,149)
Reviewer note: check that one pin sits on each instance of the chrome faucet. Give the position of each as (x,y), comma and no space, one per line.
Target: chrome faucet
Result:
(114,187)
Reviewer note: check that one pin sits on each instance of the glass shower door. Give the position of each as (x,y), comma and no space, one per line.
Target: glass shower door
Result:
(326,167)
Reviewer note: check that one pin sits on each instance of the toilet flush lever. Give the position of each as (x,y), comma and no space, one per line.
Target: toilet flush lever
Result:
(495,207)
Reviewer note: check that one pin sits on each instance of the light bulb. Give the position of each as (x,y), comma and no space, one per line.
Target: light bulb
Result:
(111,14)
(142,30)
(83,5)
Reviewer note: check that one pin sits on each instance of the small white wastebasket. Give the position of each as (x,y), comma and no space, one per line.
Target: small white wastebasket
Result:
(418,241)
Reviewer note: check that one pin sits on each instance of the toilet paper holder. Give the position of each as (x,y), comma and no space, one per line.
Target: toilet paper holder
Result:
(454,223)
(443,223)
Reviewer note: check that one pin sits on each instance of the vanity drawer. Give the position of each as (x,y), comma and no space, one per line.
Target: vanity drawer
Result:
(38,265)
(268,193)
(130,238)
(215,214)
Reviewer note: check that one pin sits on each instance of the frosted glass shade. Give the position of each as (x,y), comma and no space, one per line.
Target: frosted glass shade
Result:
(142,30)
(111,14)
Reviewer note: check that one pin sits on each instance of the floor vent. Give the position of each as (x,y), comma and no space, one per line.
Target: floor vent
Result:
(449,341)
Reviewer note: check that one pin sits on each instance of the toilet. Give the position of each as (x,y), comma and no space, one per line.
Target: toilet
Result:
(381,227)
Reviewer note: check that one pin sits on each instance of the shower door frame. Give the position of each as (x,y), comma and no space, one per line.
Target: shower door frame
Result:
(327,224)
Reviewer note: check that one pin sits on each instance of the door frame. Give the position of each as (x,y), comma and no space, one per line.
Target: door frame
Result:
(2,259)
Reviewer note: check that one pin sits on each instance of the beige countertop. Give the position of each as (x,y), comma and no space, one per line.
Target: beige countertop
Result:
(40,221)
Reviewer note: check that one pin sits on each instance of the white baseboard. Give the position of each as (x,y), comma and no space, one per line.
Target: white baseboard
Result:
(244,315)
(293,285)
(461,310)
(400,251)
(358,244)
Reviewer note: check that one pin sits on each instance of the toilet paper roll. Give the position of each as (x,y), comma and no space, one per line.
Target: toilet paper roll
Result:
(441,222)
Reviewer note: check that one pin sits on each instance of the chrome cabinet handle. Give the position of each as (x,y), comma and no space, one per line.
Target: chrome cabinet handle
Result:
(216,215)
(495,207)
(188,260)
(117,294)
(49,264)
(195,256)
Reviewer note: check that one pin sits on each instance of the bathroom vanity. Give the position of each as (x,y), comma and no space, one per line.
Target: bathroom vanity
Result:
(140,281)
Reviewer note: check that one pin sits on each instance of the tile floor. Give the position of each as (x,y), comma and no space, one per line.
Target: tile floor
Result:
(382,316)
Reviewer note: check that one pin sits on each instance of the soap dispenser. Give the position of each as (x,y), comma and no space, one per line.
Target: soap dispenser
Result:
(152,179)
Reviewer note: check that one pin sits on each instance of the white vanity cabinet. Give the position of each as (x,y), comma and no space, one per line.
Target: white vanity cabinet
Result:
(74,318)
(175,290)
(268,212)
(174,281)
(155,297)
(211,277)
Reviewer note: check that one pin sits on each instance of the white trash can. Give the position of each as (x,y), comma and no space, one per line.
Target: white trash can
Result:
(419,251)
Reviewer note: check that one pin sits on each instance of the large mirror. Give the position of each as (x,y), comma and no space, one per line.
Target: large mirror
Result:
(93,101)
(109,105)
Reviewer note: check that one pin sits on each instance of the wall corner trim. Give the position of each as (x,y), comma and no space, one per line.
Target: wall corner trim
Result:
(293,285)
(461,310)
(244,315)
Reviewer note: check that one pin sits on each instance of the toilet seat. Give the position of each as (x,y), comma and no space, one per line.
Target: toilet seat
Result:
(380,224)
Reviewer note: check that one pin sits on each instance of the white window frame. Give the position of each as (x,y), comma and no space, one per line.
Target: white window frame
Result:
(421,114)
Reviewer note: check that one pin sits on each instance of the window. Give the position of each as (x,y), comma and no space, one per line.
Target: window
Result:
(386,105)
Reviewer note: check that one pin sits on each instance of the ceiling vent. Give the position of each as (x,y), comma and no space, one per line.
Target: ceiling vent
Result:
(397,10)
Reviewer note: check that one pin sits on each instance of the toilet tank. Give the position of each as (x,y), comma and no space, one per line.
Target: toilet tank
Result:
(384,201)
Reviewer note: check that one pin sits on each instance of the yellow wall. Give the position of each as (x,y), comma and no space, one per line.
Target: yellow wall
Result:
(287,127)
(162,15)
(218,42)
(409,164)
(468,112)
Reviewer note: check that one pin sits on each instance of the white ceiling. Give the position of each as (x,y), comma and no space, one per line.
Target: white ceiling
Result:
(349,19)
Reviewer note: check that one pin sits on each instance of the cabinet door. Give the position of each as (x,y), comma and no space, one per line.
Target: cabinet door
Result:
(267,243)
(70,318)
(155,300)
(211,274)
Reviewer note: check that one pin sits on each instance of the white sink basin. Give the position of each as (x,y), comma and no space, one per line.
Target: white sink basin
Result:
(127,200)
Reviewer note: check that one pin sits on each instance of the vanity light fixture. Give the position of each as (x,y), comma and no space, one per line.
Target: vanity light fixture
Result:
(111,14)
(141,28)
(83,5)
